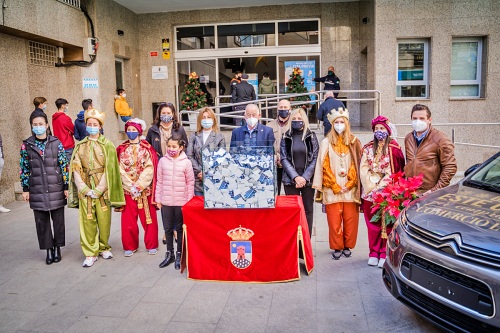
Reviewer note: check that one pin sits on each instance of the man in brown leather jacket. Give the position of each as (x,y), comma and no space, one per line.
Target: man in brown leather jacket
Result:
(429,151)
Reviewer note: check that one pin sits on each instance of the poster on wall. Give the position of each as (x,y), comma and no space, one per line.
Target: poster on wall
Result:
(165,45)
(159,72)
(90,83)
(308,68)
(254,81)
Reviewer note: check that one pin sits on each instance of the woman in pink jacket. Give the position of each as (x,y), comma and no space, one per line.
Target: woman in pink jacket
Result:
(174,188)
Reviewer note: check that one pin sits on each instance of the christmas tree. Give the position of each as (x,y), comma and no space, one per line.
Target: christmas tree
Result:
(193,97)
(295,85)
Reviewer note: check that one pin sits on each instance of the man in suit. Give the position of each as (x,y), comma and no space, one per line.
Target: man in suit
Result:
(252,133)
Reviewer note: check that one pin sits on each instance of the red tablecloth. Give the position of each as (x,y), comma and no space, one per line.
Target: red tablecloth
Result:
(272,256)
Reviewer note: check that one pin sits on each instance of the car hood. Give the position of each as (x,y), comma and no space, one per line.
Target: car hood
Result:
(472,213)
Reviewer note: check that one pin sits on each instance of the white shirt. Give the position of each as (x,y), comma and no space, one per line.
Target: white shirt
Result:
(206,134)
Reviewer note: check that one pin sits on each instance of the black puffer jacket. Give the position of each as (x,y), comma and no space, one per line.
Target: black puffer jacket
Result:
(154,137)
(286,154)
(46,180)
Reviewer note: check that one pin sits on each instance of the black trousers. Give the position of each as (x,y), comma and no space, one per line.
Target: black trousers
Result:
(172,220)
(279,176)
(44,230)
(307,194)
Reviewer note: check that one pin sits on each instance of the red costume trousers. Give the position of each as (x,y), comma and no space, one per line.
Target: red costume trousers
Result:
(376,243)
(130,229)
(343,219)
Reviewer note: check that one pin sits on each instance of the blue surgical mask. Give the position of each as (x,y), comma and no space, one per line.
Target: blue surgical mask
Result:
(44,107)
(39,130)
(166,118)
(92,130)
(132,135)
(207,123)
(65,110)
(381,135)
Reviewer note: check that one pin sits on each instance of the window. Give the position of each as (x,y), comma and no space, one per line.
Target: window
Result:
(196,38)
(413,59)
(246,35)
(466,58)
(298,32)
(42,54)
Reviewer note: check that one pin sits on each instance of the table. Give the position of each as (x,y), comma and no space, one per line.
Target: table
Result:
(246,245)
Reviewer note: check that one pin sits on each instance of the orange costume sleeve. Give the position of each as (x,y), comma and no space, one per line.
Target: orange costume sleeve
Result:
(329,179)
(352,177)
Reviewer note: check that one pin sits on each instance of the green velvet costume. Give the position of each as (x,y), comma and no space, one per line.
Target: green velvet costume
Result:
(94,166)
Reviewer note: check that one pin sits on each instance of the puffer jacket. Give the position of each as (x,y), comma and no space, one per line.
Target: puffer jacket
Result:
(175,180)
(121,106)
(434,157)
(289,167)
(267,86)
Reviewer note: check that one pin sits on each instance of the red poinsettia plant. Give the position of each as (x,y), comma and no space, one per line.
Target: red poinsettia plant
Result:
(394,197)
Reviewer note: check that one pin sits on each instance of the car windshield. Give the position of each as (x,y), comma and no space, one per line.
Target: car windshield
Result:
(488,177)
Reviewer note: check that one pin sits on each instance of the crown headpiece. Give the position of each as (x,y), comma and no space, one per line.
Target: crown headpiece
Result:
(240,233)
(337,113)
(93,113)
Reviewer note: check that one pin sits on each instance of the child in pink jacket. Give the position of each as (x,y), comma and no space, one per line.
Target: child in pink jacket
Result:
(174,188)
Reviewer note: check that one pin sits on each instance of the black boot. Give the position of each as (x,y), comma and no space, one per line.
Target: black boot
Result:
(50,256)
(169,258)
(57,254)
(177,261)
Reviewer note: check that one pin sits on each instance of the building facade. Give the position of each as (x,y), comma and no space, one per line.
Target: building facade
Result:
(440,53)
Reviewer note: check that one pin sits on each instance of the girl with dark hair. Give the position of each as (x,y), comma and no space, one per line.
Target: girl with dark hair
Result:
(381,158)
(174,188)
(44,178)
(165,125)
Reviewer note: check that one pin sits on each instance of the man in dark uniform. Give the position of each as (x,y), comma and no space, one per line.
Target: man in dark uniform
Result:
(242,92)
(331,81)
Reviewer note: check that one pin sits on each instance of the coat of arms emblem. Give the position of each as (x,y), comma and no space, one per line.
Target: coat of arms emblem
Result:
(241,247)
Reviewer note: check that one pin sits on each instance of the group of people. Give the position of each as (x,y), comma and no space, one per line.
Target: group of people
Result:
(163,170)
(346,174)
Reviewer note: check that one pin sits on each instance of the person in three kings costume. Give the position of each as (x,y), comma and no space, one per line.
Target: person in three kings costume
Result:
(381,158)
(94,175)
(138,162)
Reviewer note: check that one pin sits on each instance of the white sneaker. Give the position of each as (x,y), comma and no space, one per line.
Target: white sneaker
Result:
(106,254)
(89,261)
(4,210)
(372,261)
(152,251)
(381,263)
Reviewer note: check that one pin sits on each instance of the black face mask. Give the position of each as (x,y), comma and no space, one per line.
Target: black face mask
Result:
(283,113)
(297,125)
(330,73)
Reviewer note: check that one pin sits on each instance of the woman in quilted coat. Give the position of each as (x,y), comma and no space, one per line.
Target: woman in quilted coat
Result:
(174,188)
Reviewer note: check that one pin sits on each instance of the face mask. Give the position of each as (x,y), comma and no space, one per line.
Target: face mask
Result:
(252,121)
(339,128)
(124,95)
(39,130)
(330,73)
(92,130)
(44,107)
(132,135)
(172,153)
(166,118)
(419,125)
(65,110)
(297,124)
(207,123)
(381,135)
(283,113)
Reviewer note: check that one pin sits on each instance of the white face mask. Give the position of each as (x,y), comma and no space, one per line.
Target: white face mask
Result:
(339,128)
(419,125)
(124,95)
(252,121)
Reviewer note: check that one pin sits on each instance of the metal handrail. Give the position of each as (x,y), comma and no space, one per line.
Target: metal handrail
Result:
(453,133)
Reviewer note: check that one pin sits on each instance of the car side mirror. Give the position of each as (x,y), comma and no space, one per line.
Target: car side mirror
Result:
(471,169)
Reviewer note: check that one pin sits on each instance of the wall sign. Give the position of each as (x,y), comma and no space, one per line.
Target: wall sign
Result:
(159,72)
(90,83)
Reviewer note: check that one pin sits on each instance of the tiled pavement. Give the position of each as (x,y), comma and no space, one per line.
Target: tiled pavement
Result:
(134,295)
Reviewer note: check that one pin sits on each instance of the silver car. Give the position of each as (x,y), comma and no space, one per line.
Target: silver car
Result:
(443,256)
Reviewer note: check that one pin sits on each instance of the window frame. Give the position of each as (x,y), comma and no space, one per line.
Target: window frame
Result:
(425,81)
(479,61)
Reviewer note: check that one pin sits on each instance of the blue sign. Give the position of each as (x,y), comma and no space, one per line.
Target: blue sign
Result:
(308,68)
